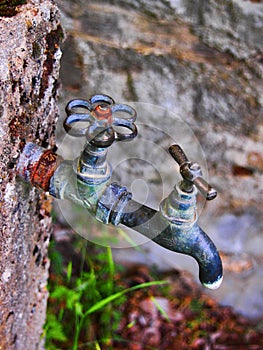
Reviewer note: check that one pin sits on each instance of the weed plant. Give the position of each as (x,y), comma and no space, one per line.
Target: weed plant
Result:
(84,309)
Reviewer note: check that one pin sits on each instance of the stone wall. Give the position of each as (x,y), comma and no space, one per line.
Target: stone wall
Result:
(29,67)
(198,67)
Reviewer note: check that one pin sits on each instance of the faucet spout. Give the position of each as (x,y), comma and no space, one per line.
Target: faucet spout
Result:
(196,243)
(191,241)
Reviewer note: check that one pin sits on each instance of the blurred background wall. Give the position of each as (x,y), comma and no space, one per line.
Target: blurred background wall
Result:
(193,70)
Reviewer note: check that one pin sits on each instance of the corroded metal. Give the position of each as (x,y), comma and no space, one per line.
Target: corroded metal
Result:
(112,203)
(66,185)
(105,201)
(179,208)
(187,239)
(191,173)
(101,114)
(174,227)
(92,166)
(87,182)
(37,165)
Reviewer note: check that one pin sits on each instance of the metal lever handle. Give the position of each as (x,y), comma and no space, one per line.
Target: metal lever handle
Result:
(191,174)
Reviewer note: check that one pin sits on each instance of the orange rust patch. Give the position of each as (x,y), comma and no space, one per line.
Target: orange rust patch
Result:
(103,113)
(44,170)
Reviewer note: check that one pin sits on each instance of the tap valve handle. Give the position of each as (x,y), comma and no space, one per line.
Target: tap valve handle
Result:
(191,174)
(100,120)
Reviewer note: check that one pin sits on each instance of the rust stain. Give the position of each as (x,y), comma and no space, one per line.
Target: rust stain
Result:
(19,127)
(53,40)
(43,170)
(103,113)
(238,170)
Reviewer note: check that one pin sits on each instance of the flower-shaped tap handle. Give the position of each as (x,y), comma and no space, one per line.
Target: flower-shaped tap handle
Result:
(100,120)
(191,174)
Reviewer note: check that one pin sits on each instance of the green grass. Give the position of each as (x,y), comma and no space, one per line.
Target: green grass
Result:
(85,309)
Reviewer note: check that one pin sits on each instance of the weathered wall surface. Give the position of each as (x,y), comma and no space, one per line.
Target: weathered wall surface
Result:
(29,64)
(201,60)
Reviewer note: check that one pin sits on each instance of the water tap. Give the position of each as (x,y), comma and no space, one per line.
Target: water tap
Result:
(87,182)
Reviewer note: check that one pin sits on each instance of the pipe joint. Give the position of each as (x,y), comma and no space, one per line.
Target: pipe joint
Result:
(92,166)
(179,208)
(112,203)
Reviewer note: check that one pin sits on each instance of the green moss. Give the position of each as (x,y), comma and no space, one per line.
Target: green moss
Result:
(149,14)
(36,50)
(8,8)
(131,88)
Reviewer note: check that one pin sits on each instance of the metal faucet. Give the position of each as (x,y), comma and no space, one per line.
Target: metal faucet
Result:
(87,182)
